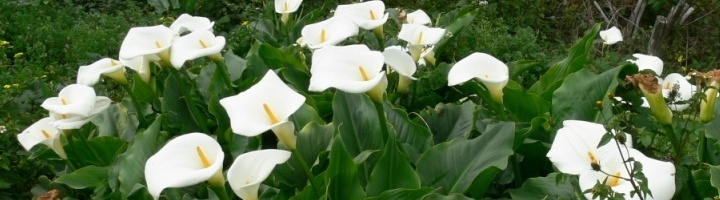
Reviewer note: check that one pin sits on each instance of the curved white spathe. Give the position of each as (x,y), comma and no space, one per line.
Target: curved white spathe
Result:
(90,74)
(190,23)
(146,41)
(352,69)
(186,160)
(73,121)
(140,65)
(367,15)
(648,62)
(263,106)
(611,35)
(575,147)
(74,99)
(492,72)
(329,32)
(251,168)
(42,132)
(287,6)
(418,17)
(675,82)
(401,62)
(418,34)
(197,44)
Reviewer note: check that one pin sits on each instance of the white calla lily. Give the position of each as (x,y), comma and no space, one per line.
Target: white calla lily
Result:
(427,55)
(660,176)
(72,121)
(252,168)
(611,36)
(367,15)
(42,132)
(185,160)
(90,74)
(648,62)
(287,6)
(329,32)
(418,34)
(147,41)
(575,147)
(74,99)
(262,107)
(418,17)
(353,69)
(190,23)
(492,72)
(195,45)
(680,87)
(140,65)
(402,63)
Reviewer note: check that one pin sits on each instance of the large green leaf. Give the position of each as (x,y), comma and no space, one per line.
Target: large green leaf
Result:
(715,177)
(117,121)
(453,165)
(344,181)
(524,106)
(413,134)
(100,151)
(255,66)
(86,177)
(547,188)
(276,58)
(313,139)
(454,196)
(712,128)
(576,59)
(358,124)
(578,96)
(404,193)
(392,171)
(175,106)
(305,115)
(129,167)
(460,19)
(235,65)
(448,121)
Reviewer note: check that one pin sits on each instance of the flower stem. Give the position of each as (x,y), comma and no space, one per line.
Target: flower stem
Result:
(220,65)
(673,140)
(305,168)
(383,120)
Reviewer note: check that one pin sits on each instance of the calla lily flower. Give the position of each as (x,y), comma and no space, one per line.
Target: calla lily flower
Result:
(147,41)
(90,74)
(648,62)
(186,23)
(353,69)
(140,65)
(651,89)
(418,17)
(367,15)
(611,36)
(707,105)
(42,132)
(428,54)
(492,72)
(683,90)
(660,176)
(402,63)
(74,106)
(417,34)
(262,107)
(329,32)
(575,148)
(184,161)
(252,168)
(287,6)
(195,45)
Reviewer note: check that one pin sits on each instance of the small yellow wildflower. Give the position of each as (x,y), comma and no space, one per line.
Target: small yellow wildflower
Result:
(3,43)
(43,76)
(245,23)
(18,55)
(6,86)
(16,85)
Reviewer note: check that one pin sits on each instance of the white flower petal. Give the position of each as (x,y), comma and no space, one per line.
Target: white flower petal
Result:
(574,148)
(611,35)
(251,168)
(142,41)
(342,67)
(329,32)
(648,62)
(481,66)
(179,164)
(90,74)
(190,23)
(400,62)
(42,132)
(74,99)
(195,45)
(247,112)
(418,34)
(418,17)
(287,6)
(678,83)
(71,121)
(367,15)
(140,65)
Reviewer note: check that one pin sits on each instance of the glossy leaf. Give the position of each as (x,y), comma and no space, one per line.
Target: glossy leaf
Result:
(452,166)
(392,171)
(86,177)
(117,121)
(313,139)
(129,167)
(547,188)
(356,119)
(344,180)
(175,106)
(460,19)
(524,106)
(416,135)
(404,193)
(448,121)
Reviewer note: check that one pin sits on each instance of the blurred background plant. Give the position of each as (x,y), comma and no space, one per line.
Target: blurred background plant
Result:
(43,42)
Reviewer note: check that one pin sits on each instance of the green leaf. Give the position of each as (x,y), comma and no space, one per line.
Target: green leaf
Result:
(129,168)
(275,58)
(576,59)
(453,165)
(448,121)
(546,188)
(314,139)
(392,171)
(100,151)
(235,64)
(454,196)
(408,132)
(524,106)
(363,156)
(358,123)
(578,96)
(117,121)
(460,19)
(714,124)
(305,115)
(715,177)
(255,66)
(344,181)
(143,92)
(175,106)
(86,177)
(404,193)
